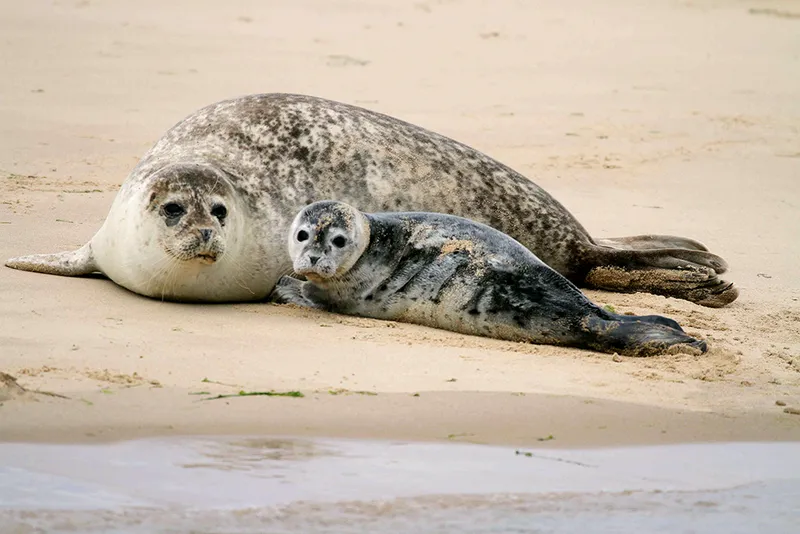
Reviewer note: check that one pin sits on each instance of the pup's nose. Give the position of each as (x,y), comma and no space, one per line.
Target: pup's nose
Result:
(313,259)
(205,233)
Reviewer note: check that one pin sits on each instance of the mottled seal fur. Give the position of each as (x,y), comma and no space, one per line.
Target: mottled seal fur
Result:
(448,272)
(269,155)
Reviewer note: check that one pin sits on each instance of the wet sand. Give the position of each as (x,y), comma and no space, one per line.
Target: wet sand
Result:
(458,417)
(641,117)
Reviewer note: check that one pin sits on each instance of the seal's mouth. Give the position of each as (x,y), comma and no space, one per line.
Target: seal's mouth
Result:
(207,254)
(314,275)
(207,258)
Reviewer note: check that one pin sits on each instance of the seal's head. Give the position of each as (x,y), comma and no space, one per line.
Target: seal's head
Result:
(191,208)
(182,231)
(326,239)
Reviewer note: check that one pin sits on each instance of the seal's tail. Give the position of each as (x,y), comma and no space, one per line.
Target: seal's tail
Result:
(73,263)
(640,336)
(664,265)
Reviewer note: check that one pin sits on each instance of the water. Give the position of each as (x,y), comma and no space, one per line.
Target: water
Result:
(242,485)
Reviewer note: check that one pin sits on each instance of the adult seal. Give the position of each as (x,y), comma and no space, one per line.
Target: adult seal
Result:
(452,273)
(203,215)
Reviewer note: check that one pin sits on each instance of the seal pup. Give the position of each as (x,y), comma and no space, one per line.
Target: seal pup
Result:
(266,156)
(452,273)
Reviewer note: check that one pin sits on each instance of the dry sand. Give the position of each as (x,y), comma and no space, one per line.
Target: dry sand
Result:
(658,116)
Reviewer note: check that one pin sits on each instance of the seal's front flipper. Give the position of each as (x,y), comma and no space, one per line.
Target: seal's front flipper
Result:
(650,242)
(633,338)
(289,290)
(73,263)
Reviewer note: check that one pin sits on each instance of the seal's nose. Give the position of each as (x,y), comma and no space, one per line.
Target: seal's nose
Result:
(313,259)
(205,233)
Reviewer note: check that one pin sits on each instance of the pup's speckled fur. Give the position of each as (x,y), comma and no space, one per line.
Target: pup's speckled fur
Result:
(453,273)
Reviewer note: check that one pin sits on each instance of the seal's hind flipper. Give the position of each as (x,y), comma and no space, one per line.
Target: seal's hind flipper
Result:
(673,272)
(637,338)
(652,319)
(701,286)
(661,258)
(650,242)
(73,263)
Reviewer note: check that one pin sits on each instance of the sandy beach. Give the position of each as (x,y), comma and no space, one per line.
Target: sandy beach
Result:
(667,117)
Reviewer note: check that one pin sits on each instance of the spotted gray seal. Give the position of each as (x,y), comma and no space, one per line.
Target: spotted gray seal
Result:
(263,157)
(452,273)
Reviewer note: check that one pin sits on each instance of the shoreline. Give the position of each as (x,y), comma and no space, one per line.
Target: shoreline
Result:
(491,418)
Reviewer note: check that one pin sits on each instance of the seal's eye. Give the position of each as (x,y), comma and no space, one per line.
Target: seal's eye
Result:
(173,210)
(219,211)
(302,235)
(339,241)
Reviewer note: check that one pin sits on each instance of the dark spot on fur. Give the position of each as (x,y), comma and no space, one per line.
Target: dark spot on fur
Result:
(301,153)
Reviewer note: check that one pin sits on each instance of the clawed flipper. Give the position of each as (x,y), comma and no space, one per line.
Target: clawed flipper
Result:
(661,264)
(641,336)
(289,290)
(697,284)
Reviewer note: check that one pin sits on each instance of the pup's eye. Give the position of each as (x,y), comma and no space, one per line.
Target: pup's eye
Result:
(219,211)
(173,210)
(339,241)
(302,235)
